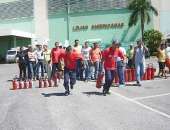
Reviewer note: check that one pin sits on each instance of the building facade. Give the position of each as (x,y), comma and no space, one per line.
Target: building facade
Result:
(61,20)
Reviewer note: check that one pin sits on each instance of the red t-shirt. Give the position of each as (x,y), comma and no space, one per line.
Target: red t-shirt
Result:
(110,56)
(70,59)
(55,54)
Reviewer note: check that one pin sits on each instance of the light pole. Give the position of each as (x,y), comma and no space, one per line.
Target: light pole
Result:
(68,3)
(68,19)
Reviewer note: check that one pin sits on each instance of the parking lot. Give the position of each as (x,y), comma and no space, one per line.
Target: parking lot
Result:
(130,108)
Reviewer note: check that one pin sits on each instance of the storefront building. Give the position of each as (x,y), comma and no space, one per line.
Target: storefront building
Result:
(61,20)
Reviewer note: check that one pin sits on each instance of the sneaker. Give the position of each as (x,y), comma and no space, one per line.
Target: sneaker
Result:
(109,93)
(71,86)
(138,84)
(104,93)
(67,93)
(121,86)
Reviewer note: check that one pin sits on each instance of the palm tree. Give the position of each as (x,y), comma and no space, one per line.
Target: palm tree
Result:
(141,9)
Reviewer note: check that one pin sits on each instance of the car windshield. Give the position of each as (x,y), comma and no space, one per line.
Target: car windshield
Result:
(11,52)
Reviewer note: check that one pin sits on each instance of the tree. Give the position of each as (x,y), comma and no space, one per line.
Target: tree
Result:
(141,10)
(152,39)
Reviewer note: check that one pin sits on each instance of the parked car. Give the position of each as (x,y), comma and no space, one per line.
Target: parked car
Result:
(11,56)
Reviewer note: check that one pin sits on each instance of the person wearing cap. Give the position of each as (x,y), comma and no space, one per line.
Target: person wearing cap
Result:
(139,58)
(95,59)
(109,56)
(55,54)
(130,52)
(70,57)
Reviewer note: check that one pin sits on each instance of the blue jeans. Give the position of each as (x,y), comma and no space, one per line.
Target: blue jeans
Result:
(31,69)
(78,69)
(120,72)
(69,78)
(109,77)
(95,69)
(86,70)
(54,68)
(139,71)
(40,64)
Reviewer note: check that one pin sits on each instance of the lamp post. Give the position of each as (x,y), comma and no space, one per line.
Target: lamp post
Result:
(68,18)
(68,4)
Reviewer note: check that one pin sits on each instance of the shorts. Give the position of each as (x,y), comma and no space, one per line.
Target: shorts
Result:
(161,65)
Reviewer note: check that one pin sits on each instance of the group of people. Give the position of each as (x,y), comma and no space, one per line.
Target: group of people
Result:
(82,63)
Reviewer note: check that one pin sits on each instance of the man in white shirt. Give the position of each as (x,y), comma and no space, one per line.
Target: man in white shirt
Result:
(86,61)
(40,61)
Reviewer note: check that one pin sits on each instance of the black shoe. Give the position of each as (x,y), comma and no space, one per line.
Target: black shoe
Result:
(67,93)
(71,86)
(104,92)
(138,84)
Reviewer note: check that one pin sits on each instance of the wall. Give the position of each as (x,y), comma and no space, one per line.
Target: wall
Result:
(126,35)
(57,29)
(26,25)
(164,17)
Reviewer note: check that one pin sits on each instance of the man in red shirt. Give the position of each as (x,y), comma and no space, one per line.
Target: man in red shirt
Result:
(55,54)
(70,62)
(109,58)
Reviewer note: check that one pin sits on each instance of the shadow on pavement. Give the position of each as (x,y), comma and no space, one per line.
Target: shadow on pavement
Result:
(131,84)
(52,94)
(93,93)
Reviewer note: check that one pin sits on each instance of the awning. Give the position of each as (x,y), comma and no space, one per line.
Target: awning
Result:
(12,32)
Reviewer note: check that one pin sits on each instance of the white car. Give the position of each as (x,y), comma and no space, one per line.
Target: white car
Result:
(11,56)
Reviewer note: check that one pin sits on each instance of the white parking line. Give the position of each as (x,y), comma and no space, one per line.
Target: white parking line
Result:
(142,105)
(153,96)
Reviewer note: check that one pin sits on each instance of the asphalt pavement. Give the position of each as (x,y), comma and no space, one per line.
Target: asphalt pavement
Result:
(130,108)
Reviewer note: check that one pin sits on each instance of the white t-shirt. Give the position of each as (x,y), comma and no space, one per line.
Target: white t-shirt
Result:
(39,54)
(123,51)
(167,51)
(86,53)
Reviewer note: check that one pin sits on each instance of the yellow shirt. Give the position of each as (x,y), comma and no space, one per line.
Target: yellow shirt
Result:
(161,56)
(47,55)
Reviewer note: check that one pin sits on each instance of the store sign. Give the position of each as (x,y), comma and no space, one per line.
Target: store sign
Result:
(98,27)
